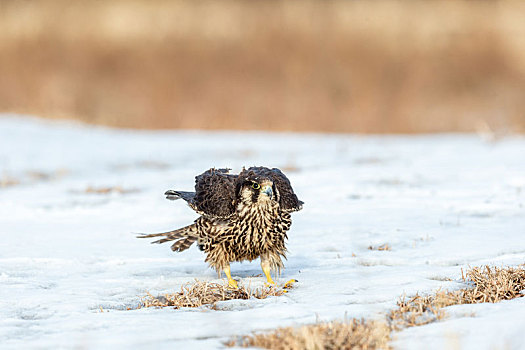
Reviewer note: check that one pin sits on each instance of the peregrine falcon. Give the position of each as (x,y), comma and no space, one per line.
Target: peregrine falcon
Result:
(243,217)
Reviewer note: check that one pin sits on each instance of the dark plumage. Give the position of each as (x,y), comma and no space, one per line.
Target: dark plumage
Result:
(243,217)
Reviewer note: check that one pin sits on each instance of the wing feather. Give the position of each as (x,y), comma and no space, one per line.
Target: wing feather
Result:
(215,193)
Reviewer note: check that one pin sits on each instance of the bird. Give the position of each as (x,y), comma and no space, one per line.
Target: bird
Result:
(243,216)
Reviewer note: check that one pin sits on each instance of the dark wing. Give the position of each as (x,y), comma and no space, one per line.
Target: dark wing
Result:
(288,201)
(173,195)
(214,193)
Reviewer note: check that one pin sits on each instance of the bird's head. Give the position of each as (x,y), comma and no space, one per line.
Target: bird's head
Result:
(256,190)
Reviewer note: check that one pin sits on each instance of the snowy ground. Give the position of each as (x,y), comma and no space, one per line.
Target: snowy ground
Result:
(442,203)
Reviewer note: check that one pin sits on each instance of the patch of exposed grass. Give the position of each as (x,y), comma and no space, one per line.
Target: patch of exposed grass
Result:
(353,334)
(495,284)
(32,177)
(7,181)
(200,293)
(420,310)
(381,247)
(488,285)
(108,190)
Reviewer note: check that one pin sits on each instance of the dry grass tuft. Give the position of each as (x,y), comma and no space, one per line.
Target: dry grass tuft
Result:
(7,181)
(420,310)
(108,190)
(353,334)
(32,177)
(199,293)
(381,247)
(37,176)
(488,285)
(495,284)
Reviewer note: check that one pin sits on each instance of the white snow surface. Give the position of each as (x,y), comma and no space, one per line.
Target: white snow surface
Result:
(442,203)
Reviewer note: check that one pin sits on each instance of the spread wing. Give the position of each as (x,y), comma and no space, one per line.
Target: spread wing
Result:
(288,200)
(214,193)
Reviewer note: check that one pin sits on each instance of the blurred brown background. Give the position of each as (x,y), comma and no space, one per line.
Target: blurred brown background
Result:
(338,66)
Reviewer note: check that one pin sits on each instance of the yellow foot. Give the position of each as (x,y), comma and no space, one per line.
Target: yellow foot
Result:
(270,283)
(233,284)
(289,284)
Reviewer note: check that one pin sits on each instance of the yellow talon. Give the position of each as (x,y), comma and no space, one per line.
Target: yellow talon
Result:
(290,283)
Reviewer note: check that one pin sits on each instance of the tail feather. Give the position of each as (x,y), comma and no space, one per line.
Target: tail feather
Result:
(175,233)
(183,244)
(149,235)
(167,239)
(184,237)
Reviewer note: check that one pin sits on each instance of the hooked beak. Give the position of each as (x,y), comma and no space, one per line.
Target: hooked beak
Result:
(267,190)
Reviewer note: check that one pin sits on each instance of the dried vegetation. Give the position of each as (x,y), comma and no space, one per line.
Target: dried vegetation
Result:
(31,177)
(353,334)
(108,190)
(488,285)
(495,284)
(8,181)
(381,247)
(200,293)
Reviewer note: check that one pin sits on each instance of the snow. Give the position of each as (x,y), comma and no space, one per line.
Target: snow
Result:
(441,202)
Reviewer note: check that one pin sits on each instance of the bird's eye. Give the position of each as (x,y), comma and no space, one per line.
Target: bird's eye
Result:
(256,186)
